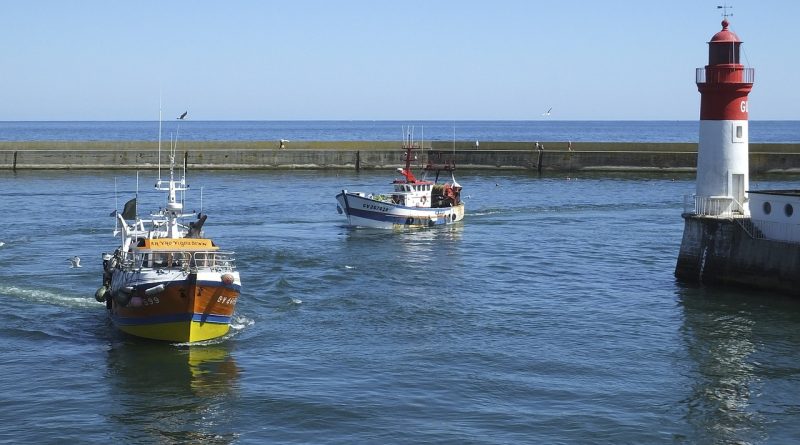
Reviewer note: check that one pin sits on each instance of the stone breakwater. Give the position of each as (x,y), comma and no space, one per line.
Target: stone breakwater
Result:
(551,156)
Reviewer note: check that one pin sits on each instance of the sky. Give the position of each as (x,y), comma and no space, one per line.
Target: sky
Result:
(383,60)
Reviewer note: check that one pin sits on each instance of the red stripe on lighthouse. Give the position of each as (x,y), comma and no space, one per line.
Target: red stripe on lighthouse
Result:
(720,102)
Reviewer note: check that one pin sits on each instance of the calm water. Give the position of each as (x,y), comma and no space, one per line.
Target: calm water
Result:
(549,316)
(544,130)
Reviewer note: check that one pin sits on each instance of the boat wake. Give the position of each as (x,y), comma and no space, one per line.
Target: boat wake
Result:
(240,323)
(49,297)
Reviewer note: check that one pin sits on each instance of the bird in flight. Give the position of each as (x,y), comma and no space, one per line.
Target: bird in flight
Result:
(182,116)
(76,261)
(547,113)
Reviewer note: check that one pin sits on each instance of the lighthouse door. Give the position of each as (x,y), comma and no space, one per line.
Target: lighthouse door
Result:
(737,189)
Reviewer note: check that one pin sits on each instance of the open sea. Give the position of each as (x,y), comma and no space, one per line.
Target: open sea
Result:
(550,315)
(506,131)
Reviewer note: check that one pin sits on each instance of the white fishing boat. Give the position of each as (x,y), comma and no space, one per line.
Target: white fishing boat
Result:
(167,281)
(412,203)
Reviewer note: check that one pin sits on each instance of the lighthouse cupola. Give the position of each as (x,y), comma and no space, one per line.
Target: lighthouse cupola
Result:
(723,49)
(723,149)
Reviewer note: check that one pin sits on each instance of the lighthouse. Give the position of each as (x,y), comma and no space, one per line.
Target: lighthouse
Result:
(734,236)
(722,154)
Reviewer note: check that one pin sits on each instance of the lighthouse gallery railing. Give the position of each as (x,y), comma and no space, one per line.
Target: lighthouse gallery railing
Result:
(725,75)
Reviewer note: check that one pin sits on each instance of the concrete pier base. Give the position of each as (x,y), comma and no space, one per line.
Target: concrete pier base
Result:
(719,251)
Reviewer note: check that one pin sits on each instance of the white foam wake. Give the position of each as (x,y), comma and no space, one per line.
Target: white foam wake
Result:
(43,296)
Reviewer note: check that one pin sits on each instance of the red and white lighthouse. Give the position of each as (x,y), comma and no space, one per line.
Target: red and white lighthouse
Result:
(722,155)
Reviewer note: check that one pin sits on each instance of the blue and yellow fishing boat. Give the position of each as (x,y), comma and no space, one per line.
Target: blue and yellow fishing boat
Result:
(166,281)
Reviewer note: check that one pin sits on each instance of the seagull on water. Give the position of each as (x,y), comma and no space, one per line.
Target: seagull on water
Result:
(76,261)
(183,116)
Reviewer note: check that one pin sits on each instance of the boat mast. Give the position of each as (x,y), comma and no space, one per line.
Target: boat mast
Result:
(174,209)
(159,137)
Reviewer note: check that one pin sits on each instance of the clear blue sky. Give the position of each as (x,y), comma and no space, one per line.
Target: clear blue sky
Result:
(372,59)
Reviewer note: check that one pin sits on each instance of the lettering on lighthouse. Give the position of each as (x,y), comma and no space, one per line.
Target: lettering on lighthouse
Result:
(743,106)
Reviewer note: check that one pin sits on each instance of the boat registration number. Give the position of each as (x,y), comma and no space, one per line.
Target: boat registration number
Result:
(149,301)
(226,300)
(375,207)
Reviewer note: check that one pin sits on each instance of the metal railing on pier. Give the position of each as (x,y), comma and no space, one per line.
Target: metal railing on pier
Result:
(724,206)
(729,208)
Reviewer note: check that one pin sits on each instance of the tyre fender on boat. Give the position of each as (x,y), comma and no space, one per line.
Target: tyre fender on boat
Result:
(409,221)
(100,295)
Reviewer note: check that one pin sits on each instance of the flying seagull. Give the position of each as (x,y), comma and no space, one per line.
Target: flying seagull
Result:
(182,116)
(76,261)
(547,113)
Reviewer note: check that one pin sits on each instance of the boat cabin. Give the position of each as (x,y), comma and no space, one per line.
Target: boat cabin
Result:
(416,194)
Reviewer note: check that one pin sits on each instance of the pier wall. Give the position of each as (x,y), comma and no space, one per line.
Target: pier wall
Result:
(556,156)
(718,251)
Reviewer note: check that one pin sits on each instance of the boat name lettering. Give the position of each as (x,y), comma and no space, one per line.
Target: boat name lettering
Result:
(375,207)
(183,242)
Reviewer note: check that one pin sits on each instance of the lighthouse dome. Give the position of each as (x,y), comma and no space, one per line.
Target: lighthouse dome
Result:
(725,35)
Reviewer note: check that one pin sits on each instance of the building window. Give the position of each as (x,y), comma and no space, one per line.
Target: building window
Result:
(788,209)
(767,208)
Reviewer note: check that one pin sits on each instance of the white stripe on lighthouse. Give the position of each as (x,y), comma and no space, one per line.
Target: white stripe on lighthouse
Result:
(722,164)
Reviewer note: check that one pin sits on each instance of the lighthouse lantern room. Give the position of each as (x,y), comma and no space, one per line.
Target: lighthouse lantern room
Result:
(722,154)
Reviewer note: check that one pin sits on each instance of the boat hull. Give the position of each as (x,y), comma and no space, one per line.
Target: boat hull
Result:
(173,305)
(362,211)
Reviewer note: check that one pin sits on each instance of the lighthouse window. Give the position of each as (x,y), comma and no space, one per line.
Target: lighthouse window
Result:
(767,208)
(788,209)
(738,132)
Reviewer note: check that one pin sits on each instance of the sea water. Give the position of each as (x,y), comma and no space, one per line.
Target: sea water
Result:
(526,131)
(550,315)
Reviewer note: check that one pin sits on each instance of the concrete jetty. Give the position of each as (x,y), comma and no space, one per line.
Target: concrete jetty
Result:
(552,156)
(733,251)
